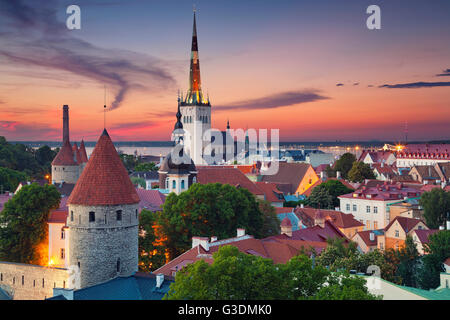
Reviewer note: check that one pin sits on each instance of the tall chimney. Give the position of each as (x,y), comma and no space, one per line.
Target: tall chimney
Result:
(65,123)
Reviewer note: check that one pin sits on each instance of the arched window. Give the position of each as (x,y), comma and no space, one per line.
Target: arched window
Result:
(174,184)
(182,184)
(167,183)
(194,180)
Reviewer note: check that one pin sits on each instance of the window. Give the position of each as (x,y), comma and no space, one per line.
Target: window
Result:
(381,245)
(368,225)
(91,216)
(375,209)
(174,184)
(182,184)
(119,215)
(43,283)
(194,180)
(71,215)
(63,253)
(375,225)
(23,280)
(354,207)
(63,234)
(397,234)
(136,213)
(367,209)
(167,183)
(118,265)
(347,207)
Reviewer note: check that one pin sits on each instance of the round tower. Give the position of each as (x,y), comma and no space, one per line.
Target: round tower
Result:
(103,218)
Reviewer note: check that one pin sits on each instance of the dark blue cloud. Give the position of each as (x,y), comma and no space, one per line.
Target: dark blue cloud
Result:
(445,73)
(33,36)
(415,85)
(278,100)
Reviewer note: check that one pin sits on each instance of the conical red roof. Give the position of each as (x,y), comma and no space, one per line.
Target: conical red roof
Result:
(65,156)
(104,180)
(83,152)
(76,153)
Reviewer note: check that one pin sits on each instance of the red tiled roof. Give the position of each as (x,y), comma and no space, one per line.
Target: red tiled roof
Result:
(65,156)
(365,236)
(429,187)
(286,222)
(289,173)
(83,153)
(270,191)
(150,199)
(105,180)
(279,250)
(384,192)
(423,234)
(58,216)
(339,219)
(320,168)
(225,175)
(245,169)
(376,156)
(407,224)
(316,233)
(425,151)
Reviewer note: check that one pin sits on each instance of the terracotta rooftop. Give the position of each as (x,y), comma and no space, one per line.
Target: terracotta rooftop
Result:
(316,233)
(425,151)
(271,192)
(65,156)
(338,218)
(83,153)
(279,250)
(384,191)
(289,173)
(365,236)
(151,200)
(376,156)
(226,175)
(423,235)
(407,224)
(105,180)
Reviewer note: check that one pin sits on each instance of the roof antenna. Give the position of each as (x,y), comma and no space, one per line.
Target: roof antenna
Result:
(104,111)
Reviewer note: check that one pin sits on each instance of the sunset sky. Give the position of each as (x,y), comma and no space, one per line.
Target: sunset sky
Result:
(309,68)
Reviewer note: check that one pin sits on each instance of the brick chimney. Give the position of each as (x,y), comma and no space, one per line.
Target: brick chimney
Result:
(65,123)
(240,232)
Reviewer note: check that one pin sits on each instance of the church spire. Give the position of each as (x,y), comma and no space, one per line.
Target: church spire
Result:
(195,84)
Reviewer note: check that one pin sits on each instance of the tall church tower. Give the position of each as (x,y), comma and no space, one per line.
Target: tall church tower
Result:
(103,218)
(195,107)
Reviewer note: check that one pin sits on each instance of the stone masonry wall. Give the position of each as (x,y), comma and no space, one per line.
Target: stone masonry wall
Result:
(31,282)
(97,246)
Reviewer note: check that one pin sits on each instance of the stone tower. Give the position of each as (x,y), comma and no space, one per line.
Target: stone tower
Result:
(65,166)
(195,107)
(103,218)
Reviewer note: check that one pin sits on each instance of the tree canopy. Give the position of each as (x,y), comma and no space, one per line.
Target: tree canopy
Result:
(211,210)
(334,188)
(238,276)
(360,171)
(320,197)
(344,164)
(10,179)
(24,222)
(436,205)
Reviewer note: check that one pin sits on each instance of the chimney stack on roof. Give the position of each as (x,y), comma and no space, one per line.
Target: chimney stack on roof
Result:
(65,123)
(159,280)
(213,238)
(202,241)
(240,232)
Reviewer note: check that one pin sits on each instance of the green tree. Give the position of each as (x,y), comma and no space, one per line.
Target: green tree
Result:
(342,286)
(234,275)
(24,220)
(436,205)
(360,171)
(129,161)
(271,224)
(137,181)
(409,258)
(10,179)
(330,172)
(335,189)
(344,164)
(145,166)
(320,198)
(208,210)
(437,250)
(151,252)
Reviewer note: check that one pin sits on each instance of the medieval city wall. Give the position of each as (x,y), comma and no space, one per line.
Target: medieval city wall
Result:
(31,282)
